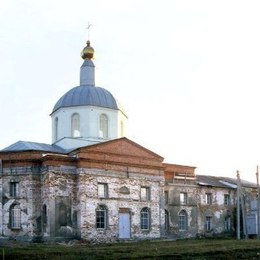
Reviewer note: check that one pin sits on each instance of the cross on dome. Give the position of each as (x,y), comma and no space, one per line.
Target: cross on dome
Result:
(88,51)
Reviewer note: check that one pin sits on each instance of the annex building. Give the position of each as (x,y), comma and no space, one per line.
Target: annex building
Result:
(95,184)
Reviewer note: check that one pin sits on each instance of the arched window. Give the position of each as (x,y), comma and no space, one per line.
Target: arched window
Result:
(44,216)
(122,128)
(183,220)
(101,217)
(75,125)
(227,223)
(62,215)
(208,223)
(56,128)
(167,220)
(103,126)
(145,219)
(15,217)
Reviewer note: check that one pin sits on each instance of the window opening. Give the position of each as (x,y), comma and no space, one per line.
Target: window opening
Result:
(227,223)
(75,125)
(183,198)
(56,129)
(102,190)
(145,193)
(15,217)
(226,199)
(183,220)
(103,126)
(145,219)
(101,217)
(167,220)
(208,198)
(14,189)
(166,197)
(122,129)
(208,223)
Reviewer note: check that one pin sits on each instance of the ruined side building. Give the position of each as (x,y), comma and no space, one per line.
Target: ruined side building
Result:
(95,184)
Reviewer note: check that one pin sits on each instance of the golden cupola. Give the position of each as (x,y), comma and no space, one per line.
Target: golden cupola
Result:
(87,52)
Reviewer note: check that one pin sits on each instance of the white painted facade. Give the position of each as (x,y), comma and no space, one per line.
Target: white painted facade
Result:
(90,132)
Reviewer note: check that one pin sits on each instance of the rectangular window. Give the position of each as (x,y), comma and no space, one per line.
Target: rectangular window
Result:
(166,197)
(15,217)
(226,199)
(145,193)
(182,221)
(101,216)
(208,223)
(227,224)
(102,190)
(183,198)
(14,189)
(208,198)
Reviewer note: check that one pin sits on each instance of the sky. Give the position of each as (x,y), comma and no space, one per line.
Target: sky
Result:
(186,72)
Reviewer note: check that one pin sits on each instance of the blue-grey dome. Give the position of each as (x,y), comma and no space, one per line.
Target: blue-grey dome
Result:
(86,96)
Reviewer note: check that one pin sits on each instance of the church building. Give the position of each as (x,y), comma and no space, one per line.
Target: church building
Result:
(95,184)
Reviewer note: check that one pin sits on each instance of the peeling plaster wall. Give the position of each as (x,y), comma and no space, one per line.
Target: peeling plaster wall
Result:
(61,201)
(174,207)
(28,199)
(89,201)
(217,210)
(59,197)
(197,210)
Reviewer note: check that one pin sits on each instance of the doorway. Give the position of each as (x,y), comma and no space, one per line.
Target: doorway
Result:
(124,225)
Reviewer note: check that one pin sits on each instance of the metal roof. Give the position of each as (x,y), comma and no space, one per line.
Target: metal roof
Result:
(87,96)
(32,146)
(223,182)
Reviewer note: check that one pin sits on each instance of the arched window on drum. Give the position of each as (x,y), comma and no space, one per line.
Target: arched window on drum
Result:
(75,125)
(56,125)
(103,126)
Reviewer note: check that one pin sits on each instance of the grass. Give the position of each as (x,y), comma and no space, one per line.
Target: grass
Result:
(181,249)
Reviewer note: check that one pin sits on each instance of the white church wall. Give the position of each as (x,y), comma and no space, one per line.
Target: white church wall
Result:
(89,125)
(122,125)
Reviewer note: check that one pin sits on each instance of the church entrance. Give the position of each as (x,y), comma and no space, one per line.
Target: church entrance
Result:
(124,224)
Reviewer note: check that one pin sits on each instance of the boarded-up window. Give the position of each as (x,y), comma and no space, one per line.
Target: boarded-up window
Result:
(124,190)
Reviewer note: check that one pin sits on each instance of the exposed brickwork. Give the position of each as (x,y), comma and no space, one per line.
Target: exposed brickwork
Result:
(62,200)
(58,195)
